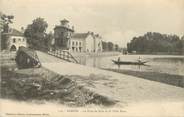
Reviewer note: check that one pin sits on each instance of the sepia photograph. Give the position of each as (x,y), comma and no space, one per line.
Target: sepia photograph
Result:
(107,58)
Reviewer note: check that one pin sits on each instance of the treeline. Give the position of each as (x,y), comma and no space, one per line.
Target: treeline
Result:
(153,42)
(109,46)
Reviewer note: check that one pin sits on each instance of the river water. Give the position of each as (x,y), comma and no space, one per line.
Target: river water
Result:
(156,63)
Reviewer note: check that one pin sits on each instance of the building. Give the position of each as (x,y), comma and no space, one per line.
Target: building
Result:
(67,39)
(97,43)
(13,40)
(85,42)
(62,34)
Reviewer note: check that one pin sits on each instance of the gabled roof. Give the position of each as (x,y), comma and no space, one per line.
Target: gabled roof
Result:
(80,35)
(14,32)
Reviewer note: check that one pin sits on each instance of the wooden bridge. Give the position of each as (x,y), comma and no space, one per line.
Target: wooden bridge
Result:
(63,54)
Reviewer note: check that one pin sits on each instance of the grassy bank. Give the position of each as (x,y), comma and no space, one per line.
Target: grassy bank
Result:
(176,80)
(42,84)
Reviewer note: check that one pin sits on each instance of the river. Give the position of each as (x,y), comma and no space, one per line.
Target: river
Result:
(169,64)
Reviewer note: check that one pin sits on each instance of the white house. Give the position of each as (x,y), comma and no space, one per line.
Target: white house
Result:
(13,40)
(85,42)
(66,39)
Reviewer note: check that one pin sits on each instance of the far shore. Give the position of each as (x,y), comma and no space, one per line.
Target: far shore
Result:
(97,54)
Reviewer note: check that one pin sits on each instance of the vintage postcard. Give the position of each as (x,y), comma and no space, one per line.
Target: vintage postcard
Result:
(92,58)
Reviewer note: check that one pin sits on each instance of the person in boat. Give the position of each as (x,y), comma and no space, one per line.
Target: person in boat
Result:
(139,60)
(118,59)
(118,62)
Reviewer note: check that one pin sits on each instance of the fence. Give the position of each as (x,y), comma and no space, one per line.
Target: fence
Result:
(63,54)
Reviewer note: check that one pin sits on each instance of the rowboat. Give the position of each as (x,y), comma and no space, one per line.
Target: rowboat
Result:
(129,62)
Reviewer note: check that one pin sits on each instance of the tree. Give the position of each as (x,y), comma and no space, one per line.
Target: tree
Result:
(7,19)
(116,47)
(36,33)
(110,46)
(104,46)
(49,40)
(153,42)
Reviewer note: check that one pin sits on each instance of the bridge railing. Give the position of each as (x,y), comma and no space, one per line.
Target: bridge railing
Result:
(63,54)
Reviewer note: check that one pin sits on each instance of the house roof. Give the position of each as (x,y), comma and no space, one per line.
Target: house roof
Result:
(80,35)
(14,32)
(64,20)
(57,27)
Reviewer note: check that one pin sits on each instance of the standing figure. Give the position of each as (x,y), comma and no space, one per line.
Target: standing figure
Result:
(139,60)
(118,63)
(118,59)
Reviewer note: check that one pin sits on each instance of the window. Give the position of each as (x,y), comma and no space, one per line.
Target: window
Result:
(73,48)
(80,43)
(19,39)
(23,39)
(72,43)
(80,48)
(76,43)
(14,40)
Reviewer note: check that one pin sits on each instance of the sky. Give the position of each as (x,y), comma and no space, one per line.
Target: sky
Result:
(115,20)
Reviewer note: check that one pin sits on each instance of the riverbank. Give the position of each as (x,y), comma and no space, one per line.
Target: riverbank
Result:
(171,79)
(90,87)
(131,95)
(42,84)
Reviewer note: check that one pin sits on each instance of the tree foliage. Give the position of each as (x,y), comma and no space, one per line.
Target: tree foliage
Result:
(7,19)
(49,40)
(36,33)
(109,46)
(153,42)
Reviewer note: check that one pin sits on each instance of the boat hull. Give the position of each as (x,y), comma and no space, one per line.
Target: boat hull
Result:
(128,62)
